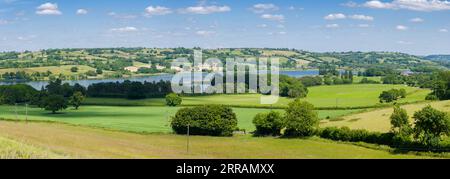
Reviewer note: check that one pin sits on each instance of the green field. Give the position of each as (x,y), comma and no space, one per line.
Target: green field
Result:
(150,133)
(150,119)
(357,79)
(64,69)
(82,142)
(356,95)
(378,120)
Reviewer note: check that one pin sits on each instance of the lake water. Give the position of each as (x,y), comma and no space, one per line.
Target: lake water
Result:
(165,77)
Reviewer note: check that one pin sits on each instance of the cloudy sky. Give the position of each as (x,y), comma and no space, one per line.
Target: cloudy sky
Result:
(413,26)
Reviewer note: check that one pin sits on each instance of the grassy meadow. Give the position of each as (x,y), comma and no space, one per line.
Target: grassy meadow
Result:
(378,120)
(10,149)
(82,142)
(64,69)
(356,95)
(146,119)
(141,128)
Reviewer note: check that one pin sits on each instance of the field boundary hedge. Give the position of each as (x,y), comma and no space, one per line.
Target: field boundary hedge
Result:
(377,106)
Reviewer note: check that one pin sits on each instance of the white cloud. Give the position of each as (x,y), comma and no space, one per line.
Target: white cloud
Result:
(277,33)
(416,20)
(415,5)
(281,26)
(364,25)
(27,38)
(122,16)
(443,30)
(124,29)
(401,42)
(205,33)
(48,9)
(362,17)
(206,9)
(273,17)
(350,4)
(401,27)
(262,26)
(158,10)
(82,12)
(332,26)
(261,8)
(335,16)
(3,22)
(379,5)
(339,16)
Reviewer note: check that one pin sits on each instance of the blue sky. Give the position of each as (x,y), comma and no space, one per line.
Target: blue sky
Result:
(413,26)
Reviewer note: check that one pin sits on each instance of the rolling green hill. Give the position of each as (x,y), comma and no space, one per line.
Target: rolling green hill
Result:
(114,60)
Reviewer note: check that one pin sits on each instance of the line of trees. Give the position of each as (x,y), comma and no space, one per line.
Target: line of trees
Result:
(54,97)
(300,120)
(430,126)
(130,90)
(57,96)
(392,95)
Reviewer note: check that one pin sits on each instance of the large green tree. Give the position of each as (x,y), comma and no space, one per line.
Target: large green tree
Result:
(441,87)
(292,87)
(173,99)
(211,120)
(430,125)
(301,120)
(268,123)
(76,99)
(400,121)
(54,103)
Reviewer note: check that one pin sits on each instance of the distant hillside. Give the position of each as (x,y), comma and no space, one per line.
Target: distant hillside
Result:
(119,62)
(442,60)
(438,57)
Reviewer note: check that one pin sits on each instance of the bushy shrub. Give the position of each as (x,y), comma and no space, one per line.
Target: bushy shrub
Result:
(292,87)
(20,93)
(347,135)
(54,103)
(268,123)
(400,121)
(301,120)
(212,120)
(431,97)
(430,126)
(173,99)
(392,95)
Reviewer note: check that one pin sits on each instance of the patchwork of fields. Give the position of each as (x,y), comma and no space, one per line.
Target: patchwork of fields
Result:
(343,96)
(149,119)
(141,128)
(82,142)
(378,120)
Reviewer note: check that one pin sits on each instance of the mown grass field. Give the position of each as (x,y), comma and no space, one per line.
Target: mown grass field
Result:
(82,142)
(356,95)
(10,149)
(147,119)
(378,120)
